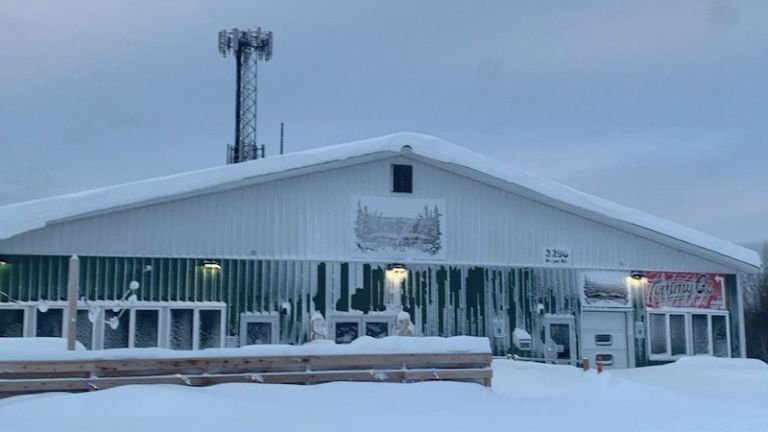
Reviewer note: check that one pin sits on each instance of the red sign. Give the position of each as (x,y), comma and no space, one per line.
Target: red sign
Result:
(685,290)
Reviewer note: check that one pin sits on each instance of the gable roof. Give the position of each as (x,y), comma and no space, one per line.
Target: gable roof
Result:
(18,218)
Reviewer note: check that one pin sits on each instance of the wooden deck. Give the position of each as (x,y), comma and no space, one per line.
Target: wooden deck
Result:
(24,377)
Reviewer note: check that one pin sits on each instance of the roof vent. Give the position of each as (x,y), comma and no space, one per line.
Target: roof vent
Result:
(406,149)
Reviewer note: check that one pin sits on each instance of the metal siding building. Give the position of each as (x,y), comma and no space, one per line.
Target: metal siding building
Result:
(280,240)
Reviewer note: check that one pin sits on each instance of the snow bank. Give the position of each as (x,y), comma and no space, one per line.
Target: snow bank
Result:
(27,349)
(526,396)
(22,217)
(37,347)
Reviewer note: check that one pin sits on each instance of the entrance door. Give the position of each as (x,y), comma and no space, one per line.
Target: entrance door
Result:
(604,338)
(559,339)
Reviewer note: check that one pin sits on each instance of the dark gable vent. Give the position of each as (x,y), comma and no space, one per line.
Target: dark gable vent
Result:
(402,178)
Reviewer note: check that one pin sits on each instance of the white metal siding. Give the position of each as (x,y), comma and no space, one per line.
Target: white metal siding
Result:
(310,217)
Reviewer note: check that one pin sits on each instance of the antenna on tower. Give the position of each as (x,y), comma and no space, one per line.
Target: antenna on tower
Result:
(248,47)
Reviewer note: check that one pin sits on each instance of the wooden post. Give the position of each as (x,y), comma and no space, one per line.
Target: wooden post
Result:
(73,288)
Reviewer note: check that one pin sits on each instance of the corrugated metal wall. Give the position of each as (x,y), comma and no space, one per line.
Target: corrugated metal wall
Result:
(442,300)
(309,217)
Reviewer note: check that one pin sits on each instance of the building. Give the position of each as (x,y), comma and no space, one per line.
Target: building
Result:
(245,253)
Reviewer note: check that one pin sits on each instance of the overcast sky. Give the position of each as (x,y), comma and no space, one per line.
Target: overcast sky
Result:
(662,106)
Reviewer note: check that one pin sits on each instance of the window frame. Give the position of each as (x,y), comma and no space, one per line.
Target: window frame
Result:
(196,308)
(547,321)
(64,319)
(393,183)
(688,320)
(27,326)
(132,324)
(361,319)
(389,319)
(246,318)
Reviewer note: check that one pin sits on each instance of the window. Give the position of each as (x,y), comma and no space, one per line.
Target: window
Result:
(700,334)
(559,338)
(209,329)
(347,327)
(376,329)
(604,340)
(49,323)
(146,328)
(11,322)
(677,335)
(84,332)
(182,324)
(402,178)
(258,329)
(672,335)
(116,329)
(346,331)
(196,328)
(605,359)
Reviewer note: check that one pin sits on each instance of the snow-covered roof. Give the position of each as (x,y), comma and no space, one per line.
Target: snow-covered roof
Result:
(18,218)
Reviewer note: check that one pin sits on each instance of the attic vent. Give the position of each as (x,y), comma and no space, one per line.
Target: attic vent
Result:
(402,178)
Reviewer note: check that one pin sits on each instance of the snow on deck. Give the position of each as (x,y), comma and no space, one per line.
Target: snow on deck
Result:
(22,217)
(696,394)
(20,349)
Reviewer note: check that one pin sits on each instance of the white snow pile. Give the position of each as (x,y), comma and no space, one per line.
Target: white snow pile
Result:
(694,394)
(19,349)
(27,348)
(22,217)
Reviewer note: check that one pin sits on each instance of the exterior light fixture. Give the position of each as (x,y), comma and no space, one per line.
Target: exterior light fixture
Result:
(212,265)
(3,262)
(637,275)
(396,269)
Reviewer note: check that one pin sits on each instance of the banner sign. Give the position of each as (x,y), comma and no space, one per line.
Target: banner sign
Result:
(685,290)
(399,228)
(605,289)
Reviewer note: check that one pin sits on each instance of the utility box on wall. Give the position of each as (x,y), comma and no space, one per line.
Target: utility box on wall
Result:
(522,339)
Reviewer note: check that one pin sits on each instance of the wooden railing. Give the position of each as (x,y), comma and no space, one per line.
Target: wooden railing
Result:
(21,377)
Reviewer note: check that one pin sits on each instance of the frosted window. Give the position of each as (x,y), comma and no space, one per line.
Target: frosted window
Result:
(677,338)
(210,329)
(719,336)
(84,332)
(561,336)
(11,323)
(118,337)
(49,323)
(181,329)
(377,329)
(146,328)
(258,333)
(658,331)
(605,359)
(604,339)
(346,332)
(700,334)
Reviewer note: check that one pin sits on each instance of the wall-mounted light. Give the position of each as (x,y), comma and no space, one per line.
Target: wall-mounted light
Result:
(396,269)
(211,265)
(3,262)
(637,275)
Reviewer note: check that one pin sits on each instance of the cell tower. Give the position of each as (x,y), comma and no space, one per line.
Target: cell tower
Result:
(248,47)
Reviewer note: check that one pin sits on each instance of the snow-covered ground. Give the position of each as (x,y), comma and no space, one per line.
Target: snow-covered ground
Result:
(694,394)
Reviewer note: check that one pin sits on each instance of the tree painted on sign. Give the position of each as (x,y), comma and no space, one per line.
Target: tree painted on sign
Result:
(375,232)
